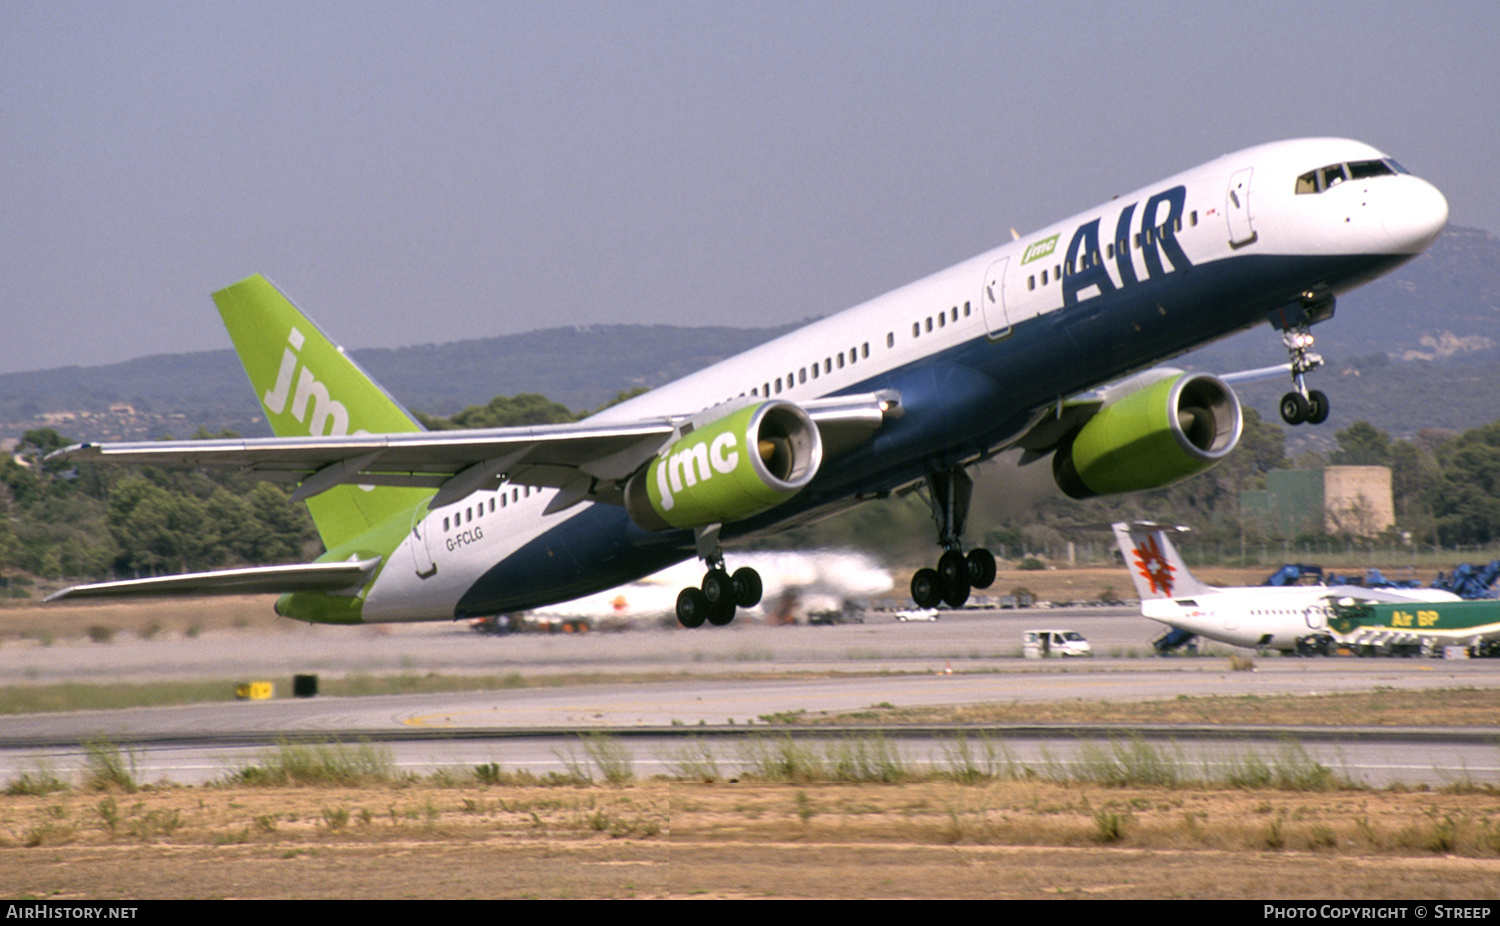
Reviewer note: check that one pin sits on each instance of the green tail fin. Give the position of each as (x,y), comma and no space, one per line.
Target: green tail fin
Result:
(308,386)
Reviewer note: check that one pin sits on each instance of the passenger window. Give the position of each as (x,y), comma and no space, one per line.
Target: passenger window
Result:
(802,375)
(916,329)
(943,320)
(864,349)
(445,525)
(890,339)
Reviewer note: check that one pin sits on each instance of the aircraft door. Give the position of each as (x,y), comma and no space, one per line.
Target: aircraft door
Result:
(1317,617)
(421,555)
(1237,209)
(992,299)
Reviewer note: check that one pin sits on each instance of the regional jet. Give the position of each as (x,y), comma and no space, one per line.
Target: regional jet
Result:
(1288,618)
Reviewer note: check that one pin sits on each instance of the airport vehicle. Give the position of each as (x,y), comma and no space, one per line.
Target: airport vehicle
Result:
(1045,344)
(1370,627)
(921,615)
(1044,644)
(1290,618)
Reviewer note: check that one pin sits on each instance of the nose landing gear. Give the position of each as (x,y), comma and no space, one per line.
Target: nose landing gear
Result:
(1302,404)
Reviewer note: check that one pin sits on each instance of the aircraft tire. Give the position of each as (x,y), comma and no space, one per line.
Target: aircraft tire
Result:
(953,572)
(722,613)
(692,608)
(926,588)
(718,588)
(747,587)
(1317,407)
(981,568)
(1293,408)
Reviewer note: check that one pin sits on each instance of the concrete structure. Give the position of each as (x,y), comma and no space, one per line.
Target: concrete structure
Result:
(1353,500)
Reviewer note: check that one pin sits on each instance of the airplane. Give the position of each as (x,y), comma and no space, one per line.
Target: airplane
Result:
(1045,343)
(1404,629)
(796,584)
(1288,618)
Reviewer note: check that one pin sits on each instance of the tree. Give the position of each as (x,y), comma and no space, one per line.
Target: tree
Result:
(1362,444)
(528,408)
(1467,506)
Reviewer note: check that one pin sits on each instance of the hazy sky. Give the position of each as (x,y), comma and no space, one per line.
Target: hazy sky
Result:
(418,172)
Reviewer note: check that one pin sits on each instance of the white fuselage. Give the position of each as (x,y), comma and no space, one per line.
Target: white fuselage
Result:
(979,351)
(1269,617)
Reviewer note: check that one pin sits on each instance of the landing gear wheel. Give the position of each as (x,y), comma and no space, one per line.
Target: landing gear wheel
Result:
(718,587)
(718,591)
(1294,408)
(926,588)
(1317,407)
(747,587)
(981,568)
(692,608)
(721,614)
(953,571)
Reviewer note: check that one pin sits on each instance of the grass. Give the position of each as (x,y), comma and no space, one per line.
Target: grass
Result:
(107,769)
(867,794)
(320,765)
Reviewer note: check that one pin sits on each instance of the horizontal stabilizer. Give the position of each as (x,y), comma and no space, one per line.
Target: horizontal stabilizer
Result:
(257,580)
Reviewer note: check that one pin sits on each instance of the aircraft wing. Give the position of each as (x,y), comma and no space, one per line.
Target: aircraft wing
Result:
(587,461)
(256,580)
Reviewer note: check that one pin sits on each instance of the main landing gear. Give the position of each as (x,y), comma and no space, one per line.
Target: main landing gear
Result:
(948,495)
(1302,404)
(721,593)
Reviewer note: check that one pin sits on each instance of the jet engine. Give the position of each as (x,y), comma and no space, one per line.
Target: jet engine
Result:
(1155,436)
(744,463)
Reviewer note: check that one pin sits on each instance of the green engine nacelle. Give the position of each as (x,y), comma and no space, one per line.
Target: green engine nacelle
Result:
(740,465)
(1164,432)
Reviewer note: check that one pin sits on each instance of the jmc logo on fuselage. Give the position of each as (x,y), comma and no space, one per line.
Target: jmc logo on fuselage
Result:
(1039,249)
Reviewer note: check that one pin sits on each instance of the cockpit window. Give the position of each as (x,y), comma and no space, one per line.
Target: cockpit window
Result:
(1326,178)
(1358,170)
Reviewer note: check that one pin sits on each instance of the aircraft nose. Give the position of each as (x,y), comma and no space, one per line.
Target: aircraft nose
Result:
(1415,216)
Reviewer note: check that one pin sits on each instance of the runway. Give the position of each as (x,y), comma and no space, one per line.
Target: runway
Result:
(711,688)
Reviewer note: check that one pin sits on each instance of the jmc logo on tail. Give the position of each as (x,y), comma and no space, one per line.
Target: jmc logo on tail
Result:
(329,417)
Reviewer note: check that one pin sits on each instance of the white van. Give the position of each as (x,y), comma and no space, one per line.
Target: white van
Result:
(1040,644)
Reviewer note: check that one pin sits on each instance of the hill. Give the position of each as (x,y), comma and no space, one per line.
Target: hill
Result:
(1417,349)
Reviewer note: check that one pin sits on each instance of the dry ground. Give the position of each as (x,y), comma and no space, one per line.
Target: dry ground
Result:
(1012,839)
